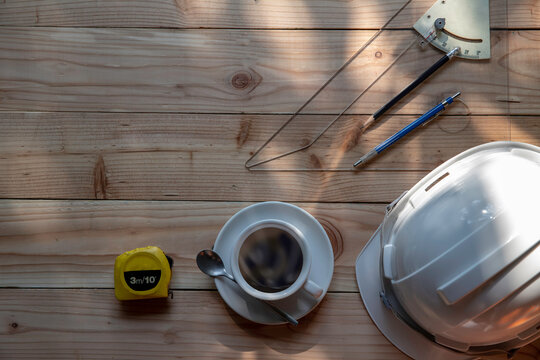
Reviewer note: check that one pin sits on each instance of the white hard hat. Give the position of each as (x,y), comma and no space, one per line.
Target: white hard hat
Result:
(453,272)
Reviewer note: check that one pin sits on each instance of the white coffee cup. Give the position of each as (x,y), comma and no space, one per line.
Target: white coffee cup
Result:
(301,282)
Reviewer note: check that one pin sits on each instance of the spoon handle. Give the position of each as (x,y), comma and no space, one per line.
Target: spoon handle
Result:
(210,263)
(282,313)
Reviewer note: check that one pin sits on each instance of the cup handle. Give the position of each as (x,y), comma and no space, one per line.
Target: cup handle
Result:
(313,289)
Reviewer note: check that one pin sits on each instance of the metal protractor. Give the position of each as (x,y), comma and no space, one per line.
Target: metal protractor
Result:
(458,23)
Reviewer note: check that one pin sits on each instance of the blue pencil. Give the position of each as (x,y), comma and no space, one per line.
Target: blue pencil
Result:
(407,129)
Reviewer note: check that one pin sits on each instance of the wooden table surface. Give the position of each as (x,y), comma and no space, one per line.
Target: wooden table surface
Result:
(127,123)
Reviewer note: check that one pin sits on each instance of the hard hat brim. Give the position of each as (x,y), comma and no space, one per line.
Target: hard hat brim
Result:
(412,343)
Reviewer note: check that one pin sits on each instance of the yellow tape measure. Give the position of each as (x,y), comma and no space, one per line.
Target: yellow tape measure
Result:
(142,273)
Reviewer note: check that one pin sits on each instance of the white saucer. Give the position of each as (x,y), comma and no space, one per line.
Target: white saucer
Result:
(322,265)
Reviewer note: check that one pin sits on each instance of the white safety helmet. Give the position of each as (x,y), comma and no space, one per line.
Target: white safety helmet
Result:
(453,270)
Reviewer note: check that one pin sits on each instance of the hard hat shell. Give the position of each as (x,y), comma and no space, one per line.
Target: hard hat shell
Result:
(457,258)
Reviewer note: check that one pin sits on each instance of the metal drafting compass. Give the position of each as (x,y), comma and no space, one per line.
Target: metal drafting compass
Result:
(460,28)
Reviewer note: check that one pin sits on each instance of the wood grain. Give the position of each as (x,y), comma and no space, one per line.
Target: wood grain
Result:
(201,157)
(223,71)
(65,324)
(523,72)
(170,175)
(74,243)
(355,14)
(526,129)
(70,323)
(165,100)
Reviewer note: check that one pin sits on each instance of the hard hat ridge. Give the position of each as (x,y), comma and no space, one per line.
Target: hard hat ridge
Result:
(458,257)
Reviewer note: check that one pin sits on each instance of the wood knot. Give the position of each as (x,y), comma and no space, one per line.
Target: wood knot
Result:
(378,54)
(305,142)
(14,325)
(100,179)
(315,161)
(336,239)
(243,133)
(245,81)
(241,80)
(353,136)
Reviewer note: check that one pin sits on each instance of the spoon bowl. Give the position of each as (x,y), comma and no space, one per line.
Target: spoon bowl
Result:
(210,263)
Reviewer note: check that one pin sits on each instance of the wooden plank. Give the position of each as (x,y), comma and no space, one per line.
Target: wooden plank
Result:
(526,129)
(67,324)
(170,175)
(521,13)
(355,14)
(201,157)
(523,71)
(75,243)
(64,324)
(222,71)
(54,176)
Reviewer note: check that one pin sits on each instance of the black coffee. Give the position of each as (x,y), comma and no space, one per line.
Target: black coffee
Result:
(270,260)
